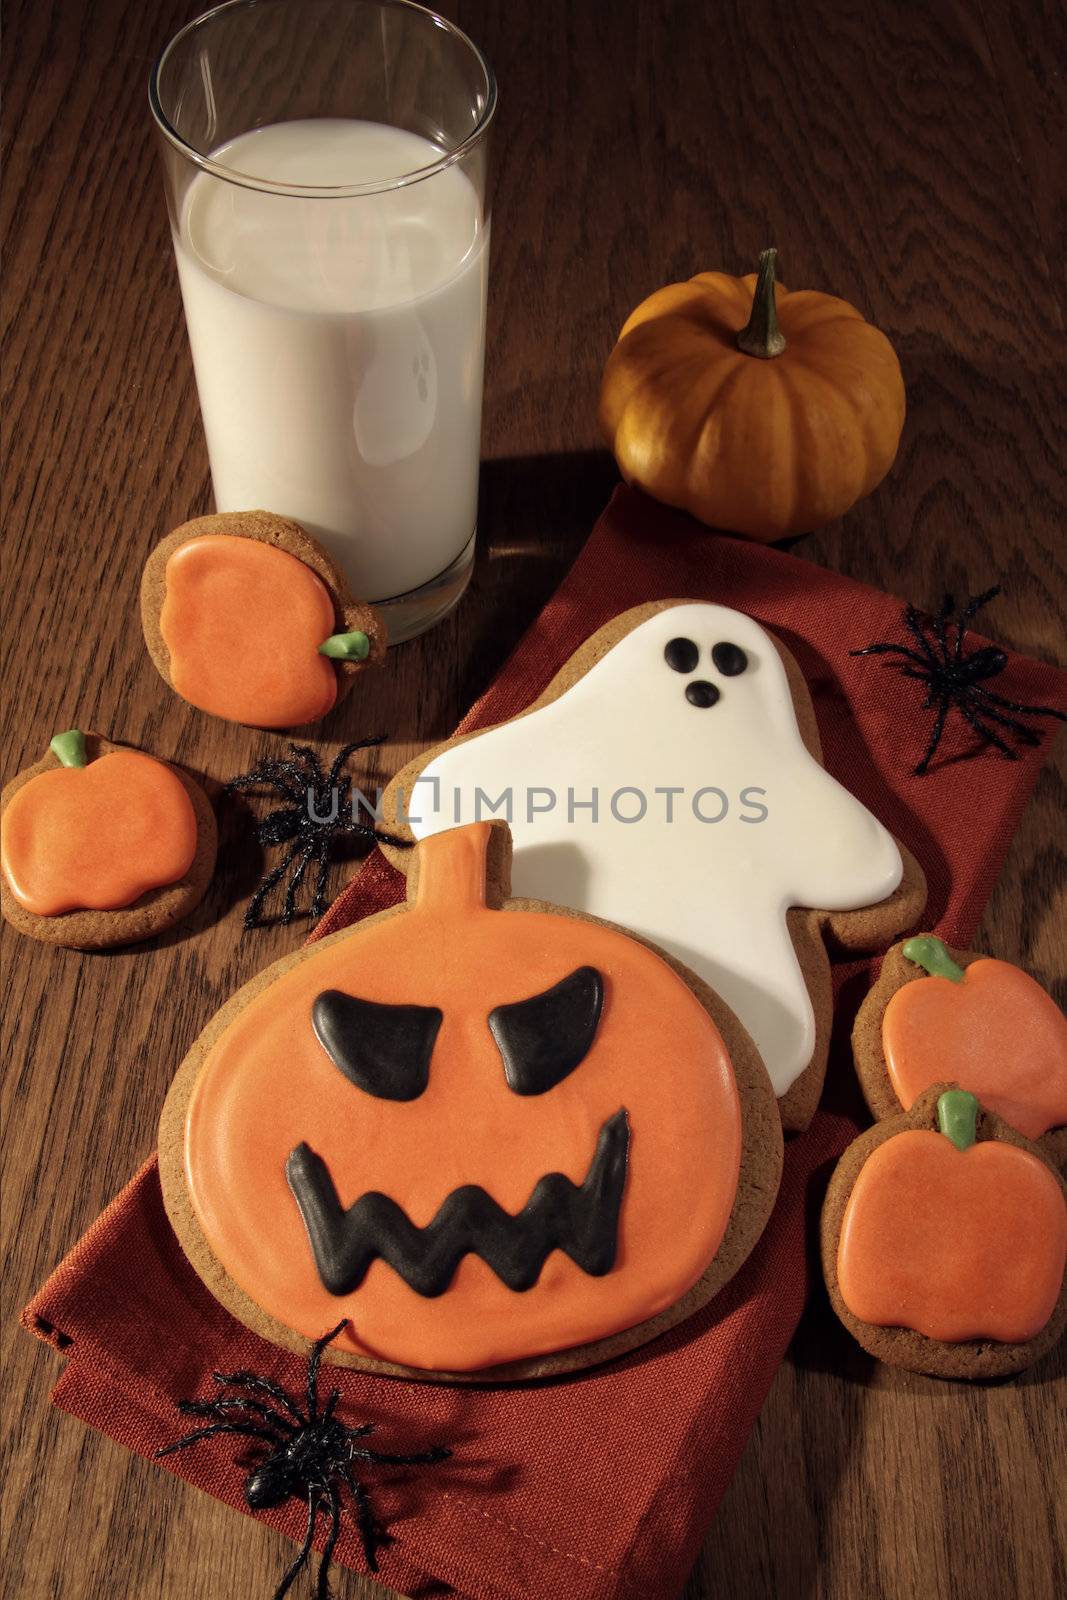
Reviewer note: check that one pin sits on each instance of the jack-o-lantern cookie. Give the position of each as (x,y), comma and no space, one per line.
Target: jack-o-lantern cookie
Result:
(938,1015)
(944,1238)
(101,844)
(501,1139)
(246,616)
(669,780)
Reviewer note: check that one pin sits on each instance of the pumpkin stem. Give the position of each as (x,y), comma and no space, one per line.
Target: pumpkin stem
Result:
(761,335)
(957,1117)
(69,748)
(451,869)
(929,953)
(346,646)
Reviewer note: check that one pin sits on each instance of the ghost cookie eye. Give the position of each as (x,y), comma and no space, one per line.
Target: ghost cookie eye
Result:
(729,659)
(681,655)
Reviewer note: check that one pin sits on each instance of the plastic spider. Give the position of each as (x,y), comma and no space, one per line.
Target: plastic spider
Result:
(312,1455)
(955,677)
(319,814)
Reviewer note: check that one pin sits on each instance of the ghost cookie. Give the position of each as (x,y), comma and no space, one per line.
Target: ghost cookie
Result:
(943,1015)
(501,1139)
(101,844)
(246,616)
(669,780)
(944,1237)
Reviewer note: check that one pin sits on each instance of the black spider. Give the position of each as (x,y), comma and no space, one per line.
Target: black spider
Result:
(318,815)
(955,677)
(312,1455)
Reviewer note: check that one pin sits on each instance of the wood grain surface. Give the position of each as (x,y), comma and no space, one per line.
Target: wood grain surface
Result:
(902,155)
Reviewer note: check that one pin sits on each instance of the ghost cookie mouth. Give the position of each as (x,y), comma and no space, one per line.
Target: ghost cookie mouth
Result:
(559,1215)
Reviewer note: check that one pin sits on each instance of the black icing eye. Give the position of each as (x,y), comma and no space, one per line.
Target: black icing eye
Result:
(384,1050)
(681,655)
(544,1038)
(701,694)
(730,659)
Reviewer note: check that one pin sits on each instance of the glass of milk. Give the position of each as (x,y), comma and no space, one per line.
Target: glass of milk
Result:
(325,168)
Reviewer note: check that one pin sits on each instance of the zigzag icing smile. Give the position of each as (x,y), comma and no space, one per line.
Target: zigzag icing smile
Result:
(559,1215)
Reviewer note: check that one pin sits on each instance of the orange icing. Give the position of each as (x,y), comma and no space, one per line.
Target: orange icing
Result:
(997,1034)
(243,622)
(96,838)
(267,1084)
(956,1244)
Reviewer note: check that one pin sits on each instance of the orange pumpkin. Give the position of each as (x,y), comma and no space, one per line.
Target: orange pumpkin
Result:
(759,411)
(481,1134)
(987,1026)
(957,1240)
(95,835)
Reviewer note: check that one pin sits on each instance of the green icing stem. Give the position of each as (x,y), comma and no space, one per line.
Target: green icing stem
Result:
(346,647)
(930,953)
(69,748)
(957,1115)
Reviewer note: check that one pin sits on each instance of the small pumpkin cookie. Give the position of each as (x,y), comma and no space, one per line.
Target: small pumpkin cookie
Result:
(102,844)
(247,617)
(944,1238)
(501,1139)
(670,780)
(955,1016)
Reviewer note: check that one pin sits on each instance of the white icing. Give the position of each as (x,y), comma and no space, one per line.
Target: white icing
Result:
(714,894)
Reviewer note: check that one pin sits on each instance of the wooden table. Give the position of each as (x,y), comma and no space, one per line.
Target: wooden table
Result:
(899,155)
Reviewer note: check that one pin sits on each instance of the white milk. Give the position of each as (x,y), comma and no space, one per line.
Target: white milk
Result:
(338,344)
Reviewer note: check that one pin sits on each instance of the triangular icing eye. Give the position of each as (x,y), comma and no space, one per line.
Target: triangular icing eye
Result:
(544,1038)
(384,1050)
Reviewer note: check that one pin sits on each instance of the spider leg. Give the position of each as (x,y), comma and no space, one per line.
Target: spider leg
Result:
(322,876)
(349,750)
(305,1550)
(966,616)
(934,740)
(1025,735)
(255,905)
(322,1588)
(369,1530)
(914,622)
(987,733)
(252,1380)
(313,1368)
(273,775)
(972,608)
(381,837)
(219,1408)
(360,1432)
(304,754)
(328,1408)
(940,624)
(885,650)
(307,850)
(249,1428)
(1017,705)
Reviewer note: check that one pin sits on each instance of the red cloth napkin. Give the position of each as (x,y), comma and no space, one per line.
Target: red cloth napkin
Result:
(599,1486)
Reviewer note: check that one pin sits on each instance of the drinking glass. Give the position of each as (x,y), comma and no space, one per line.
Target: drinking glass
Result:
(325,168)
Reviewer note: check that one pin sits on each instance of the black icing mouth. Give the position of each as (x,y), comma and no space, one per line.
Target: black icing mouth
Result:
(582,1222)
